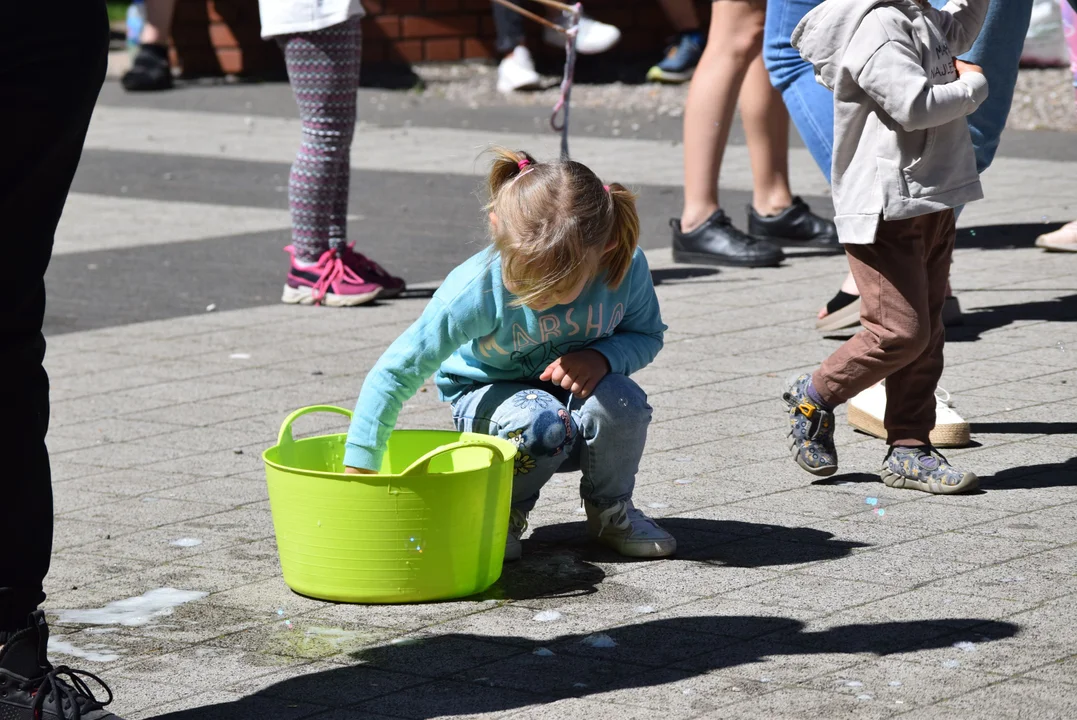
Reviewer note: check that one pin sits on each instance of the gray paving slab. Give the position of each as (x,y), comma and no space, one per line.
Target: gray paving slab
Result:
(791,596)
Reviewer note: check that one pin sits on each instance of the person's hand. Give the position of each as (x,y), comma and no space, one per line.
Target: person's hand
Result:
(964,67)
(358,471)
(577,372)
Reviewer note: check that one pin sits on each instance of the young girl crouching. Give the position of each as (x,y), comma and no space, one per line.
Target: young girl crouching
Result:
(534,340)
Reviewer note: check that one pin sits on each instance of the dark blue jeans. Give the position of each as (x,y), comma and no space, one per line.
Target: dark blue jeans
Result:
(52,63)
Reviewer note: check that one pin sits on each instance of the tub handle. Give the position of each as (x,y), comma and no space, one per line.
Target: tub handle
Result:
(286,426)
(422,465)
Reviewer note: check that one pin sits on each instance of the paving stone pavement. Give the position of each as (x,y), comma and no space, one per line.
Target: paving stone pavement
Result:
(790,597)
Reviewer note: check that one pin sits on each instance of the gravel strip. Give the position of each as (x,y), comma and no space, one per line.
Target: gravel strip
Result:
(1043,99)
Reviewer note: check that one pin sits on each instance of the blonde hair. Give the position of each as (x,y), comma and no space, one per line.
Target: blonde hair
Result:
(553,219)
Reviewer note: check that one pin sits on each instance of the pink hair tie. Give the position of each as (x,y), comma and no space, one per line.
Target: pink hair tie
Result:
(523,163)
(606,188)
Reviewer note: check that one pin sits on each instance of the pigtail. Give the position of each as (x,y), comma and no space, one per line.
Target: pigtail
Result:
(507,165)
(624,234)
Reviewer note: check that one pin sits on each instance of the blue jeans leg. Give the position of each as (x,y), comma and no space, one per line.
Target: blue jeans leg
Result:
(613,428)
(537,421)
(998,51)
(811,106)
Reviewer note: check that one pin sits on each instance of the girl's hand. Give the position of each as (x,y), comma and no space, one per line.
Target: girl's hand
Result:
(358,471)
(964,67)
(577,372)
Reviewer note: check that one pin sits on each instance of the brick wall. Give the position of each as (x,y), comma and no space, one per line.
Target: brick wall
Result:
(212,37)
(437,30)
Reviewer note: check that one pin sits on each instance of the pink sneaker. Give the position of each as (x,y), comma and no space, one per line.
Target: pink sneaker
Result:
(391,286)
(327,282)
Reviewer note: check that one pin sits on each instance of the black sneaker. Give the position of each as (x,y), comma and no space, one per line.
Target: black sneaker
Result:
(32,689)
(797,225)
(149,71)
(717,242)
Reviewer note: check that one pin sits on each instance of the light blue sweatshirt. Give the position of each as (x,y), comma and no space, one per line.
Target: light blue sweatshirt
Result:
(472,335)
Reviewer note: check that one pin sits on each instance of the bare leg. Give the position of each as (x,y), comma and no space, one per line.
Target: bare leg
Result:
(766,127)
(734,41)
(682,14)
(158,25)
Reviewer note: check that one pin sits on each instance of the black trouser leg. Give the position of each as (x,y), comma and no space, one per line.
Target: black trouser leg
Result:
(509,26)
(52,64)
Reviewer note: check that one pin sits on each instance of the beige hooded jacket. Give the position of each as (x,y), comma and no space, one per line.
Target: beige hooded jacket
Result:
(901,142)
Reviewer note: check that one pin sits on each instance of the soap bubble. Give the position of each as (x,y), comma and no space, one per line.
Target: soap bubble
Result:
(599,640)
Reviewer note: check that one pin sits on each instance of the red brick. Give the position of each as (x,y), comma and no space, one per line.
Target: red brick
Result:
(403,6)
(409,51)
(441,26)
(387,26)
(439,6)
(444,50)
(477,5)
(476,48)
(373,7)
(486,26)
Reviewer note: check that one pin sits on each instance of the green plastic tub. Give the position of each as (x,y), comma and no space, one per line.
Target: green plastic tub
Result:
(430,526)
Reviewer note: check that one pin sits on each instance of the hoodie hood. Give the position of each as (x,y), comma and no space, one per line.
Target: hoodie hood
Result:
(824,33)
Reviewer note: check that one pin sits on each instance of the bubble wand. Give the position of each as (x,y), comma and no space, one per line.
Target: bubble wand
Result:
(575,12)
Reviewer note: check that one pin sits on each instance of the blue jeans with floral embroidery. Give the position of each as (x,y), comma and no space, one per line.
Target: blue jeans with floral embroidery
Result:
(602,436)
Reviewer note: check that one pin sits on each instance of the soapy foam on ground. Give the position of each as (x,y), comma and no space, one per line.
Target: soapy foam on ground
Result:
(96,653)
(133,611)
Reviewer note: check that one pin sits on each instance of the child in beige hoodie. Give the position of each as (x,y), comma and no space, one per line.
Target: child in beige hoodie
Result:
(903,159)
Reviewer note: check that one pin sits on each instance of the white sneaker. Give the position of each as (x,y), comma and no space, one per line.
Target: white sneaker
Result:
(517,527)
(1062,240)
(517,72)
(628,531)
(866,412)
(592,38)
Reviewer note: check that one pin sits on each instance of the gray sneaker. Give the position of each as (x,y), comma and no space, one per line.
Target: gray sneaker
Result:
(517,527)
(924,468)
(811,429)
(628,531)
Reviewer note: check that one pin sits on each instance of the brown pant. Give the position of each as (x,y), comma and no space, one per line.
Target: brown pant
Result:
(902,281)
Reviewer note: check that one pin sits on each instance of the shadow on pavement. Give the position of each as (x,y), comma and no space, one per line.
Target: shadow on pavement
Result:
(848,478)
(559,560)
(1024,428)
(464,674)
(684,272)
(713,542)
(1029,477)
(980,320)
(1003,237)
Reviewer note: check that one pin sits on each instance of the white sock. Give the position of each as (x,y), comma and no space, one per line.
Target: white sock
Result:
(304,263)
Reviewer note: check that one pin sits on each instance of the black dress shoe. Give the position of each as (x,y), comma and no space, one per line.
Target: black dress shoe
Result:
(717,242)
(796,225)
(150,70)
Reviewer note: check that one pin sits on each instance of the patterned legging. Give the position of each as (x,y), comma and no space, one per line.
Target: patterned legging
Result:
(323,69)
